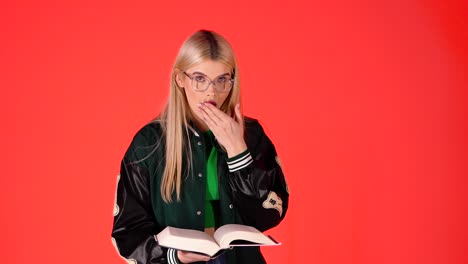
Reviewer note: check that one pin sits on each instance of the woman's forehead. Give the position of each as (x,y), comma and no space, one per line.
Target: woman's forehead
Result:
(210,68)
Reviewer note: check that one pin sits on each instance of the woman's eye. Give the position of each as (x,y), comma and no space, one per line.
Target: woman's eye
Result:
(199,78)
(222,79)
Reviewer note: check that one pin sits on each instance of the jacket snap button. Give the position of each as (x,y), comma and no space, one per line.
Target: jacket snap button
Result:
(199,143)
(198,212)
(200,175)
(231,206)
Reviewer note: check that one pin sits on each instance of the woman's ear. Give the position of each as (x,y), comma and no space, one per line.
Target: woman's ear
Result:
(178,78)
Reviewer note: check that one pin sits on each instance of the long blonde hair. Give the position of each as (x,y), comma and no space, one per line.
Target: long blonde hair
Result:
(202,45)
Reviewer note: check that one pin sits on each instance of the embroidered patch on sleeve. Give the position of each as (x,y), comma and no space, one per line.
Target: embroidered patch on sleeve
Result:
(273,201)
(116,206)
(279,164)
(278,161)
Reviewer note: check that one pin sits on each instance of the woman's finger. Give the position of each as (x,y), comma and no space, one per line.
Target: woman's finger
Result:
(207,117)
(216,114)
(239,118)
(188,257)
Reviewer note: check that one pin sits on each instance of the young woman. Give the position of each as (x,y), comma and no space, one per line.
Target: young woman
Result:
(200,164)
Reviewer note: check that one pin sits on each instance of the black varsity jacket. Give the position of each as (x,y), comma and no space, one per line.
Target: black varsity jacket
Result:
(252,191)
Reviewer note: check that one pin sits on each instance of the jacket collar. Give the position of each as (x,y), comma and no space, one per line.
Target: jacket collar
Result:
(192,127)
(197,133)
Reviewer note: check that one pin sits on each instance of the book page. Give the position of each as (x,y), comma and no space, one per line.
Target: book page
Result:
(188,240)
(228,233)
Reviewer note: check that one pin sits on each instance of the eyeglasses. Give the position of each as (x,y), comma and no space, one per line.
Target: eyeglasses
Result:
(200,83)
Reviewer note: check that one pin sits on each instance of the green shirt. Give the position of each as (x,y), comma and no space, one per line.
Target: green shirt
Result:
(212,187)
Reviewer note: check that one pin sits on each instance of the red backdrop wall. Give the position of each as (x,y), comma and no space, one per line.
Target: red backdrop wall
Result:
(365,100)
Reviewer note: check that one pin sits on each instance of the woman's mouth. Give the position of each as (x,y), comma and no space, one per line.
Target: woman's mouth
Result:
(210,102)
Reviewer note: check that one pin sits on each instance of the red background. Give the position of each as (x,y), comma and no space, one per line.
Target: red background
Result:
(366,102)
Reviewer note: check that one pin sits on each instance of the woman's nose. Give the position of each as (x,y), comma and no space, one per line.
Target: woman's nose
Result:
(211,88)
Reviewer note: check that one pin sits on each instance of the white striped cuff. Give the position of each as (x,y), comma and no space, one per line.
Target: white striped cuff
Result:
(172,256)
(239,161)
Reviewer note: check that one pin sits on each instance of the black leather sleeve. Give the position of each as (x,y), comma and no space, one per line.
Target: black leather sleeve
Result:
(134,223)
(257,181)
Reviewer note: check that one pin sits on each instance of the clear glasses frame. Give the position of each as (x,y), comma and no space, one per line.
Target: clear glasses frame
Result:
(219,86)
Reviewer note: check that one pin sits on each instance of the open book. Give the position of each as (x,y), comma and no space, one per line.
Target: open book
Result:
(227,236)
